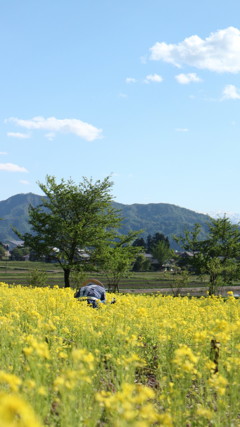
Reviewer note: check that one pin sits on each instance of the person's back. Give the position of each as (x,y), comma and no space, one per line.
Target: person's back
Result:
(93,290)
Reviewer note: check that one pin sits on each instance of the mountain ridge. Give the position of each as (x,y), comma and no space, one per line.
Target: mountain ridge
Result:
(151,218)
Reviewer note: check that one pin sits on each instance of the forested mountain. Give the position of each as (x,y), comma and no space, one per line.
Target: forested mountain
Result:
(14,213)
(150,218)
(160,217)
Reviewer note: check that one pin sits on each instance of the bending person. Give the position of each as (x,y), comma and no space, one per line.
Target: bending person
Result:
(92,290)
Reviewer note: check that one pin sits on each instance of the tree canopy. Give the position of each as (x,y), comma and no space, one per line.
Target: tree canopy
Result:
(151,242)
(71,219)
(218,255)
(162,252)
(158,245)
(117,258)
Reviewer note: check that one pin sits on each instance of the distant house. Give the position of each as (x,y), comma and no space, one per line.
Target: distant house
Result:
(5,254)
(153,261)
(187,254)
(168,267)
(81,255)
(14,243)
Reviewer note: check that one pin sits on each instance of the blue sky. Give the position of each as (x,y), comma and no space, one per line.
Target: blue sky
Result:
(146,91)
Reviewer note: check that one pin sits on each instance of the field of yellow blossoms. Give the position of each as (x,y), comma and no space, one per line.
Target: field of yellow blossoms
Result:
(144,361)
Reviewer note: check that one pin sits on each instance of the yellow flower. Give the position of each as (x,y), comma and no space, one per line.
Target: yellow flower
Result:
(205,413)
(11,380)
(42,391)
(15,412)
(165,420)
(185,359)
(30,384)
(62,355)
(84,357)
(218,383)
(27,351)
(58,383)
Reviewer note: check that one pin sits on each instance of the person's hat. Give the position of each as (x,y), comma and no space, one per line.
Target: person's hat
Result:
(92,282)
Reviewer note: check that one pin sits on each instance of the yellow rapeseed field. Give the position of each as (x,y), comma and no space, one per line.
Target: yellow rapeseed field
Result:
(144,361)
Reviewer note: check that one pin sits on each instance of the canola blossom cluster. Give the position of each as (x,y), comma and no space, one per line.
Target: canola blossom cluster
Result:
(148,360)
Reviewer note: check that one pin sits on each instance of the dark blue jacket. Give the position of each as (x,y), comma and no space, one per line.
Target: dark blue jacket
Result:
(92,290)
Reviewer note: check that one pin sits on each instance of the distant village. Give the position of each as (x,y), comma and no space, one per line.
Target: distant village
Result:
(14,250)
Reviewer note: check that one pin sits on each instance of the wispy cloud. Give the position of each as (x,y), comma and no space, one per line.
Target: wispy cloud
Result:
(155,78)
(182,130)
(231,92)
(10,167)
(18,135)
(52,124)
(185,79)
(50,136)
(130,80)
(219,52)
(3,153)
(122,95)
(24,182)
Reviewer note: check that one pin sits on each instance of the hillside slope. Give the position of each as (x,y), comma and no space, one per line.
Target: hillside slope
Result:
(14,213)
(150,218)
(160,217)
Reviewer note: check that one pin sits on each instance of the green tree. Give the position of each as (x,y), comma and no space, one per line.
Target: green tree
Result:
(152,241)
(162,252)
(218,256)
(18,253)
(180,281)
(2,251)
(72,218)
(141,263)
(116,259)
(140,242)
(37,278)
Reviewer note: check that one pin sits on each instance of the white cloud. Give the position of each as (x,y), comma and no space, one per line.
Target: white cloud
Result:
(77,127)
(50,136)
(122,95)
(3,153)
(18,135)
(231,92)
(10,167)
(184,79)
(144,59)
(24,182)
(182,130)
(219,52)
(153,78)
(130,80)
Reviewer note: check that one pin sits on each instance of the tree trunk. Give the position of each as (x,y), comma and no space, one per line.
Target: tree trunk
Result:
(212,284)
(66,277)
(113,287)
